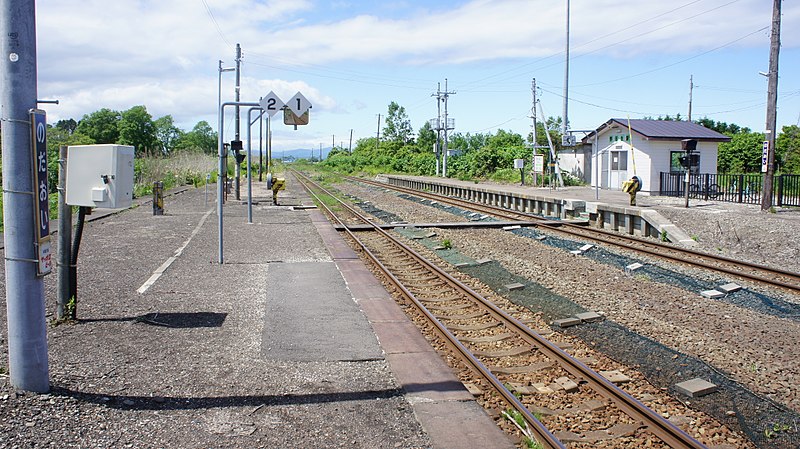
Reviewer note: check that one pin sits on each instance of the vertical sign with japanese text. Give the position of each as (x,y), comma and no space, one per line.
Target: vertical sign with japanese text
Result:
(41,202)
(765,156)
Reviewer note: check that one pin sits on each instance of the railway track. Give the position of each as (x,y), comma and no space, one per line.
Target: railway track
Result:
(509,358)
(761,274)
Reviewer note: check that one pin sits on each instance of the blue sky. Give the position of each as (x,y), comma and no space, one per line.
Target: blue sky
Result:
(352,58)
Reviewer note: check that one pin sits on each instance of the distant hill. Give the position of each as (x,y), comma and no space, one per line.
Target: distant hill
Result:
(300,153)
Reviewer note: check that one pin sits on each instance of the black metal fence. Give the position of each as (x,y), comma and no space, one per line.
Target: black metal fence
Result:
(732,188)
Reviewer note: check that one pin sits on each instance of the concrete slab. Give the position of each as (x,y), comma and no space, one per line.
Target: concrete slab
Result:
(633,267)
(381,310)
(424,376)
(712,294)
(696,387)
(567,322)
(729,288)
(589,317)
(515,286)
(311,316)
(586,247)
(401,337)
(615,376)
(474,429)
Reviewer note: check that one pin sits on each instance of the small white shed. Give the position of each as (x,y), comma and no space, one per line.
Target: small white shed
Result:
(646,149)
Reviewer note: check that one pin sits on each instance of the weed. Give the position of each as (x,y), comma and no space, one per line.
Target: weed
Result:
(777,428)
(664,236)
(695,238)
(447,244)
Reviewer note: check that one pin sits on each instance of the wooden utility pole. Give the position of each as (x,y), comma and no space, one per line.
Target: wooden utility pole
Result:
(772,107)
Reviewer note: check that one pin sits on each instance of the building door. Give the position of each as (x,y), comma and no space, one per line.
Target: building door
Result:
(619,169)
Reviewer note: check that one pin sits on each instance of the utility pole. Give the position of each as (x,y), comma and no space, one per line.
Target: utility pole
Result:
(565,121)
(377,142)
(438,124)
(691,88)
(350,146)
(27,332)
(533,130)
(333,143)
(442,97)
(237,89)
(260,144)
(772,106)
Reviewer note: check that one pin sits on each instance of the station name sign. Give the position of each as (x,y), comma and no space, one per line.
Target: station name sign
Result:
(41,201)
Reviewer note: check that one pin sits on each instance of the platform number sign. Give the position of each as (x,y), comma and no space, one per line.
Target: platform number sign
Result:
(42,195)
(271,104)
(765,156)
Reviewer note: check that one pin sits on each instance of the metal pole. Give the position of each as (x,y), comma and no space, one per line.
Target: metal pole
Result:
(220,177)
(444,150)
(27,335)
(238,170)
(565,124)
(596,166)
(772,106)
(249,170)
(260,144)
(64,236)
(221,153)
(269,145)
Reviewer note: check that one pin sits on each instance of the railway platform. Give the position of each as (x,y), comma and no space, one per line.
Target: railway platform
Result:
(290,343)
(608,209)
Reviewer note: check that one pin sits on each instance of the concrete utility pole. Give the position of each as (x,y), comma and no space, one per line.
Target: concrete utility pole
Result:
(27,332)
(238,125)
(691,88)
(533,115)
(377,142)
(260,143)
(565,121)
(441,97)
(350,146)
(438,124)
(772,105)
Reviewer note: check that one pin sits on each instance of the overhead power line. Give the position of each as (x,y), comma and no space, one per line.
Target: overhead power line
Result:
(216,24)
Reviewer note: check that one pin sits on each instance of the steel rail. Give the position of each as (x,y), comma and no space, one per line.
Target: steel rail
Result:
(543,436)
(660,427)
(707,261)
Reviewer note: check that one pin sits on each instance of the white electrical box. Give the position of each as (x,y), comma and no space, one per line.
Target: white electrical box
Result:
(100,176)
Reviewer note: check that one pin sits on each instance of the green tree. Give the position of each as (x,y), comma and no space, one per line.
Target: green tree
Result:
(722,127)
(398,126)
(426,138)
(788,149)
(742,154)
(201,137)
(136,128)
(167,133)
(101,126)
(68,125)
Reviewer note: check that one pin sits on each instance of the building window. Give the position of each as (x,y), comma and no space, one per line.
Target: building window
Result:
(675,163)
(619,160)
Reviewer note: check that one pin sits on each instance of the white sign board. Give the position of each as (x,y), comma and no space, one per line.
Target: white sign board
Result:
(764,156)
(298,104)
(519,163)
(271,104)
(538,163)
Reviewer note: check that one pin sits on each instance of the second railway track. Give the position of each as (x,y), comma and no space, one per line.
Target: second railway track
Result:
(774,277)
